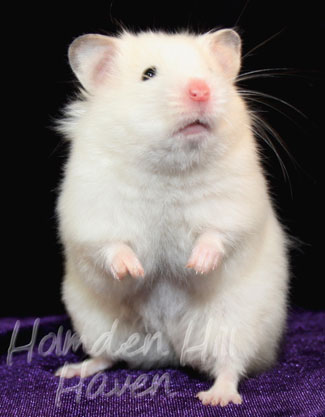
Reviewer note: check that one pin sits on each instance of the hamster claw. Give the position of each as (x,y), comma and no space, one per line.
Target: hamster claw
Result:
(125,262)
(204,258)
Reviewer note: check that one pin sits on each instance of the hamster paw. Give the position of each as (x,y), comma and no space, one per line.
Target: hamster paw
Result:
(83,369)
(205,257)
(125,262)
(219,396)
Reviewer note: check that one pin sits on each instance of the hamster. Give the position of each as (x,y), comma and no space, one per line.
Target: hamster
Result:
(164,212)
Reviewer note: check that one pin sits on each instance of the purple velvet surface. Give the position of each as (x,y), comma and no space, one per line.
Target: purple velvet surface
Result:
(294,387)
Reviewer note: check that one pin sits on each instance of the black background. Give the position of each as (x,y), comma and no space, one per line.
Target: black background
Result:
(38,81)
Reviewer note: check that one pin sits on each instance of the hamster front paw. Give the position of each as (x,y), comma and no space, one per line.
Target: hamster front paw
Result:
(125,262)
(207,253)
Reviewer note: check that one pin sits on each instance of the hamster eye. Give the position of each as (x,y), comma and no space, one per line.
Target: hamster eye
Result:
(149,73)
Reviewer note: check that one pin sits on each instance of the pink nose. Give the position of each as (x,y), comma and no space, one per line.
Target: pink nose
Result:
(198,90)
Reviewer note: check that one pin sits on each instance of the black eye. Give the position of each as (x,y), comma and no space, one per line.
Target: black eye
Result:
(149,73)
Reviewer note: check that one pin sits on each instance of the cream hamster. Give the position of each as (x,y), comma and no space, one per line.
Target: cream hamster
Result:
(164,211)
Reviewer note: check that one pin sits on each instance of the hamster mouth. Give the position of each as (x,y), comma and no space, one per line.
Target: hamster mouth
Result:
(194,128)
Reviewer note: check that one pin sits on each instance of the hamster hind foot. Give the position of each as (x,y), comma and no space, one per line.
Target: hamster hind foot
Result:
(222,392)
(84,369)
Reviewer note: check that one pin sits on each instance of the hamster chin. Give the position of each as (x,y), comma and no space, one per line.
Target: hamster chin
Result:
(186,144)
(178,153)
(175,153)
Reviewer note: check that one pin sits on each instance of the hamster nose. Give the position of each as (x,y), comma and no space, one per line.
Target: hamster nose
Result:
(198,90)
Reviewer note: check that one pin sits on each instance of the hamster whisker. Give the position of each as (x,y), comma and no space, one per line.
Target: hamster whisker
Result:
(264,131)
(253,93)
(255,96)
(276,72)
(259,45)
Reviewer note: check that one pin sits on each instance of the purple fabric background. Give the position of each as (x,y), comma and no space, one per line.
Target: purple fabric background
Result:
(295,387)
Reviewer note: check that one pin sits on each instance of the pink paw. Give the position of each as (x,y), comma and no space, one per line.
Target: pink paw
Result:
(125,262)
(205,257)
(83,369)
(219,397)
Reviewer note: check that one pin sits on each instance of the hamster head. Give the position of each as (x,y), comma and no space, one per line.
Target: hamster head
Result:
(164,100)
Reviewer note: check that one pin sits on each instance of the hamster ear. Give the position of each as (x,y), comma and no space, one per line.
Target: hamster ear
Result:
(90,57)
(226,45)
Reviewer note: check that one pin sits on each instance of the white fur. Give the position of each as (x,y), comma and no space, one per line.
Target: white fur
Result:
(129,180)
